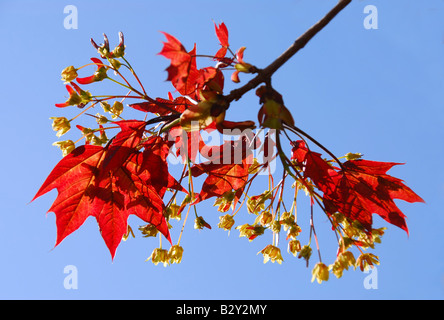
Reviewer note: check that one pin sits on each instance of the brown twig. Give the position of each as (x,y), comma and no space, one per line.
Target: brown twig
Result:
(264,75)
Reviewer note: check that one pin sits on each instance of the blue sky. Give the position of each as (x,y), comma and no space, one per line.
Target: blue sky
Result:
(378,92)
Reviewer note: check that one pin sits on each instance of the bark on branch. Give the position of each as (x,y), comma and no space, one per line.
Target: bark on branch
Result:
(264,75)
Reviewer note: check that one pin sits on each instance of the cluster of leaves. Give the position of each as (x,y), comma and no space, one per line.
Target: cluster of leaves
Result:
(129,174)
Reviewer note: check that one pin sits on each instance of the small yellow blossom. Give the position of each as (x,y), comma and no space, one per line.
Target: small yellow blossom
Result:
(226,222)
(320,272)
(159,255)
(175,254)
(272,253)
(61,125)
(66,146)
(69,74)
(294,246)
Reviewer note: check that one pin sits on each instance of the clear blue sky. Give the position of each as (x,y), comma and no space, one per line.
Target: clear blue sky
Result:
(378,92)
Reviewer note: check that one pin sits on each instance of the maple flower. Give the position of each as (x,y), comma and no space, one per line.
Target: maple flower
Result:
(149,230)
(272,253)
(264,218)
(293,231)
(305,252)
(69,74)
(343,261)
(173,211)
(256,204)
(294,246)
(175,254)
(66,146)
(99,75)
(116,109)
(159,255)
(249,231)
(200,223)
(225,201)
(226,222)
(320,272)
(61,125)
(287,220)
(366,261)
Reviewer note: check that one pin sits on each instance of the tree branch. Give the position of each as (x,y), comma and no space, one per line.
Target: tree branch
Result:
(265,74)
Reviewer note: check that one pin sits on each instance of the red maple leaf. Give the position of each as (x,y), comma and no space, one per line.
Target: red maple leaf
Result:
(313,166)
(227,170)
(364,188)
(182,71)
(109,184)
(358,190)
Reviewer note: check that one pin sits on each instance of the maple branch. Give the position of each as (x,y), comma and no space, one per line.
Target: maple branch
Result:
(264,75)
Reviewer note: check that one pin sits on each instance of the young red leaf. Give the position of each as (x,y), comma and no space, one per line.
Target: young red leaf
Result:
(222,34)
(182,71)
